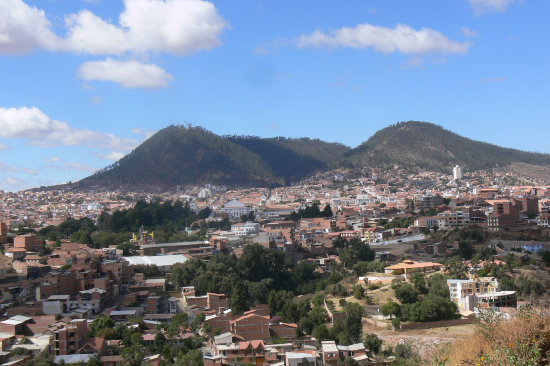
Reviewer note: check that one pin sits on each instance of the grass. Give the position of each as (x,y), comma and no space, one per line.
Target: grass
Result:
(521,341)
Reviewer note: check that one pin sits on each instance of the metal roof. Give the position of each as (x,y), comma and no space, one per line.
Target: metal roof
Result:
(158,260)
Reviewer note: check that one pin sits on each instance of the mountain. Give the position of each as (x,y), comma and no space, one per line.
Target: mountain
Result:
(180,155)
(428,146)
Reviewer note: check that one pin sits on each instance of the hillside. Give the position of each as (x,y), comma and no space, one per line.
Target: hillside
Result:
(431,147)
(180,155)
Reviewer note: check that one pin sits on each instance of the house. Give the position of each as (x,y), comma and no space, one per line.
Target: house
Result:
(235,209)
(408,267)
(301,358)
(28,242)
(251,326)
(242,352)
(248,228)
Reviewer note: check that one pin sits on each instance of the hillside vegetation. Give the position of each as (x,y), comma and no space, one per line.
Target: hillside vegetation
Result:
(431,147)
(179,155)
(182,155)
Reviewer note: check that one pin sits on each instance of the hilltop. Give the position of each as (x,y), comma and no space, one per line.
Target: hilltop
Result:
(431,147)
(184,155)
(180,155)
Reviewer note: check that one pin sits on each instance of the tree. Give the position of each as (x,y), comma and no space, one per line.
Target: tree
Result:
(101,322)
(239,298)
(318,315)
(457,269)
(465,250)
(160,341)
(373,343)
(419,282)
(390,309)
(349,330)
(127,248)
(546,258)
(358,292)
(327,211)
(321,332)
(406,294)
(133,355)
(191,358)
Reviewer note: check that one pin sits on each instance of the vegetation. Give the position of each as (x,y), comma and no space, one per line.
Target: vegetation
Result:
(178,155)
(521,341)
(249,279)
(428,146)
(312,211)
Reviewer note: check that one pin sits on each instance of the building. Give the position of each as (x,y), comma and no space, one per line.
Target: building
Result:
(197,248)
(463,292)
(505,215)
(457,172)
(428,222)
(248,228)
(163,262)
(498,299)
(235,209)
(70,337)
(28,242)
(408,267)
(3,233)
(251,326)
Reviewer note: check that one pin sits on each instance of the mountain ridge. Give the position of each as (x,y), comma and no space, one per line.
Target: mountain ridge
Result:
(188,155)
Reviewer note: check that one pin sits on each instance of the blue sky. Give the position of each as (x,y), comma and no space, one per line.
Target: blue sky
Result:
(85,81)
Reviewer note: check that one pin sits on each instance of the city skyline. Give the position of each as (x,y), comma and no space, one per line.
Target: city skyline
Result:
(87,81)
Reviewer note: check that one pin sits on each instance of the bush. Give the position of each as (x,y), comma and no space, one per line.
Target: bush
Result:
(406,294)
(373,343)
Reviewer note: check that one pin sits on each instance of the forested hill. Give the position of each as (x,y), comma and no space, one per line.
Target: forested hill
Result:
(180,155)
(431,147)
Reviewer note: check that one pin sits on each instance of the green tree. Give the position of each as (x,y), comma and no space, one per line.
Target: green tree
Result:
(101,322)
(419,282)
(358,292)
(373,343)
(239,298)
(390,309)
(406,294)
(191,358)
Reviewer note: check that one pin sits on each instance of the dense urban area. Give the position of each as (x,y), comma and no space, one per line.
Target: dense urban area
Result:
(374,267)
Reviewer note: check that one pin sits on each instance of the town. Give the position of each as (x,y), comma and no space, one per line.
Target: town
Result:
(344,268)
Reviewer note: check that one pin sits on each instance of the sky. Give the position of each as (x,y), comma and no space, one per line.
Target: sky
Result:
(83,82)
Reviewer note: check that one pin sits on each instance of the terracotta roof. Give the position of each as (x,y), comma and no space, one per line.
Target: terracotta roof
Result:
(255,344)
(411,264)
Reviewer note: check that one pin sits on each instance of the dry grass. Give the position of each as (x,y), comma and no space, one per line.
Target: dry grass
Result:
(524,340)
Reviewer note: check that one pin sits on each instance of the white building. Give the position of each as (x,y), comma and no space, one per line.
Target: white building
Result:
(457,172)
(235,208)
(248,228)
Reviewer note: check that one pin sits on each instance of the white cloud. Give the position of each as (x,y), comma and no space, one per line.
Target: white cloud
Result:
(16,169)
(35,126)
(96,100)
(113,156)
(402,38)
(52,159)
(129,74)
(11,183)
(143,132)
(3,146)
(480,6)
(469,33)
(24,28)
(72,166)
(174,26)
